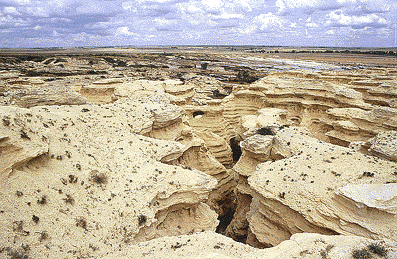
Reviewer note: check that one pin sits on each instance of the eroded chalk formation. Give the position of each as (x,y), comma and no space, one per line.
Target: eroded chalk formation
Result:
(90,183)
(36,92)
(322,188)
(304,245)
(117,166)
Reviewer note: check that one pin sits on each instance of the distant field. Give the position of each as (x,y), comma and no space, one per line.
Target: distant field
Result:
(344,56)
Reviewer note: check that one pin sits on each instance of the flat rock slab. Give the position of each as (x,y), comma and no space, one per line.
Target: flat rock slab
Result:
(378,196)
(385,145)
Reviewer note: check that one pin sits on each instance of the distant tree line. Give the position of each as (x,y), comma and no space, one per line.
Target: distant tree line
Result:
(344,51)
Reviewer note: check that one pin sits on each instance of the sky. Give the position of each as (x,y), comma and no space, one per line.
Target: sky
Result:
(72,23)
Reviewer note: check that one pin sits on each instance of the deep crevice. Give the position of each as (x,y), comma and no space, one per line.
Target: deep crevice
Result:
(236,149)
(229,208)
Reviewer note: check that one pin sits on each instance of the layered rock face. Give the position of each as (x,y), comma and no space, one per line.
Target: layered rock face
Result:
(36,92)
(332,107)
(330,104)
(100,91)
(355,125)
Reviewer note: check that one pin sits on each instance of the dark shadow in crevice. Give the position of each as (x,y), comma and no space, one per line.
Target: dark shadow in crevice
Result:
(229,208)
(236,149)
(197,113)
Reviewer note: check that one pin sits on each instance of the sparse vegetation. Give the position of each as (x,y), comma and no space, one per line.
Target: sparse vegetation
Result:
(204,66)
(17,226)
(42,200)
(244,76)
(6,122)
(81,222)
(43,236)
(265,131)
(368,174)
(19,253)
(63,181)
(69,199)
(24,135)
(177,245)
(35,219)
(72,179)
(369,251)
(377,249)
(361,254)
(99,178)
(94,248)
(142,219)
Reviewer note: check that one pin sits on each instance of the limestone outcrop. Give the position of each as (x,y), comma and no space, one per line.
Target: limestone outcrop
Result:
(35,92)
(97,196)
(19,144)
(147,155)
(318,188)
(100,91)
(384,145)
(355,125)
(332,105)
(306,245)
(169,123)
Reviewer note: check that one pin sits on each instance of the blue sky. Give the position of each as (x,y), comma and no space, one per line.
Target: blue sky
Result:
(71,23)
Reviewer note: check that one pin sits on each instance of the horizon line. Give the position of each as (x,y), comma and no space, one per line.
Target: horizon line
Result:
(190,45)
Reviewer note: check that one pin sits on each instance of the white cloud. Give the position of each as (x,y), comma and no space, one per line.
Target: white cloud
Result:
(8,21)
(163,24)
(154,1)
(129,6)
(349,6)
(268,22)
(56,20)
(99,7)
(124,31)
(369,20)
(212,4)
(312,25)
(18,2)
(199,21)
(193,9)
(11,10)
(226,16)
(37,11)
(286,6)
